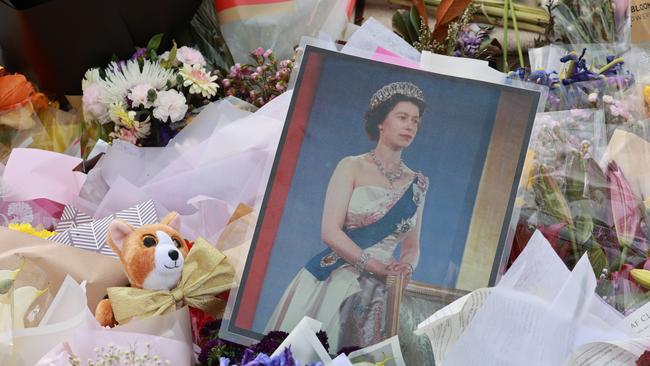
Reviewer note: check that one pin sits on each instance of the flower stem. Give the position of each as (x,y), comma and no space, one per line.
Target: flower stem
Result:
(505,36)
(623,257)
(606,67)
(516,28)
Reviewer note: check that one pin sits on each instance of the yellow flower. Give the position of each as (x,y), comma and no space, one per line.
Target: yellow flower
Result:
(528,169)
(121,116)
(29,229)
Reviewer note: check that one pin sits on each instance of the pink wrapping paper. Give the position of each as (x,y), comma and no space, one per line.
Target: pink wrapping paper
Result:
(203,182)
(384,55)
(39,213)
(31,174)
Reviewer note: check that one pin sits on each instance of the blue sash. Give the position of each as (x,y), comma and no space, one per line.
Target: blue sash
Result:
(323,263)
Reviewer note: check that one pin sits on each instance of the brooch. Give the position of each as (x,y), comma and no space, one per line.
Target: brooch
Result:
(404,226)
(329,260)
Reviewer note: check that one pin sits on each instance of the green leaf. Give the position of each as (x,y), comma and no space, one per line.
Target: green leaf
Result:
(597,258)
(410,28)
(400,26)
(575,178)
(5,285)
(582,214)
(415,19)
(169,63)
(584,228)
(155,41)
(151,95)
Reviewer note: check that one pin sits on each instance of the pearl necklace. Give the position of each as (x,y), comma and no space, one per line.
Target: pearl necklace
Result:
(392,175)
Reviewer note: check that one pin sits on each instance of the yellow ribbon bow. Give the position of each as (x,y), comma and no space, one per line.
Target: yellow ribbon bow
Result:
(206,273)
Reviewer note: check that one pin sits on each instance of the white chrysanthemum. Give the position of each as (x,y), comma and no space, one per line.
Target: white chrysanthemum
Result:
(91,76)
(120,78)
(199,80)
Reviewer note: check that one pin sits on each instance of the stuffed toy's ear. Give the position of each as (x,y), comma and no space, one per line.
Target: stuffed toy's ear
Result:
(117,233)
(173,220)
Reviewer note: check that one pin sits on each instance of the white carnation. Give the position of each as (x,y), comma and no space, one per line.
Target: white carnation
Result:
(170,104)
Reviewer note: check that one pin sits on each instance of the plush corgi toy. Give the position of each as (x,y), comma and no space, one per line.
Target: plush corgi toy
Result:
(152,257)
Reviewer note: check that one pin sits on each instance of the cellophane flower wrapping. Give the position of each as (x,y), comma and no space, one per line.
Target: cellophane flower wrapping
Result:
(24,300)
(18,126)
(278,25)
(581,188)
(592,21)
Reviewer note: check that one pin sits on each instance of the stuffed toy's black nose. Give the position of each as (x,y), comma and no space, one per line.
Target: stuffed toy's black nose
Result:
(173,254)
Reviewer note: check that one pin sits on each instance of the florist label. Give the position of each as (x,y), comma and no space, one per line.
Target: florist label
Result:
(640,14)
(639,321)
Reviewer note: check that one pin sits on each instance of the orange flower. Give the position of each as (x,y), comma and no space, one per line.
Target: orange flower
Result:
(15,91)
(39,101)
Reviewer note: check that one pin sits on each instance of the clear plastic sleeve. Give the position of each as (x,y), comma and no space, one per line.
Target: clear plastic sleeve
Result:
(278,25)
(581,189)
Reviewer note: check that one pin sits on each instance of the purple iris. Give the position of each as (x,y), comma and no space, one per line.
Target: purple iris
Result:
(579,71)
(283,359)
(540,77)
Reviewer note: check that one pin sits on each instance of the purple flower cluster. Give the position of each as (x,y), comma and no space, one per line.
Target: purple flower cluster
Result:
(470,40)
(216,351)
(261,81)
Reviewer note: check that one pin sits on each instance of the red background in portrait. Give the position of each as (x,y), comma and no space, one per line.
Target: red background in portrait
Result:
(280,184)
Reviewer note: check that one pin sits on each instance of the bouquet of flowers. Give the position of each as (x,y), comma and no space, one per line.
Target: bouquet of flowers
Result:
(588,197)
(19,104)
(147,99)
(591,21)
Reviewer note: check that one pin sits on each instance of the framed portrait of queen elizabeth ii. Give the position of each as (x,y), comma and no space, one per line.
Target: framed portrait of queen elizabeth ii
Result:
(382,171)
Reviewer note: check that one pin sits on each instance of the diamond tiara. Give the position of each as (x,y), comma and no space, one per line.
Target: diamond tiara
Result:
(401,87)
